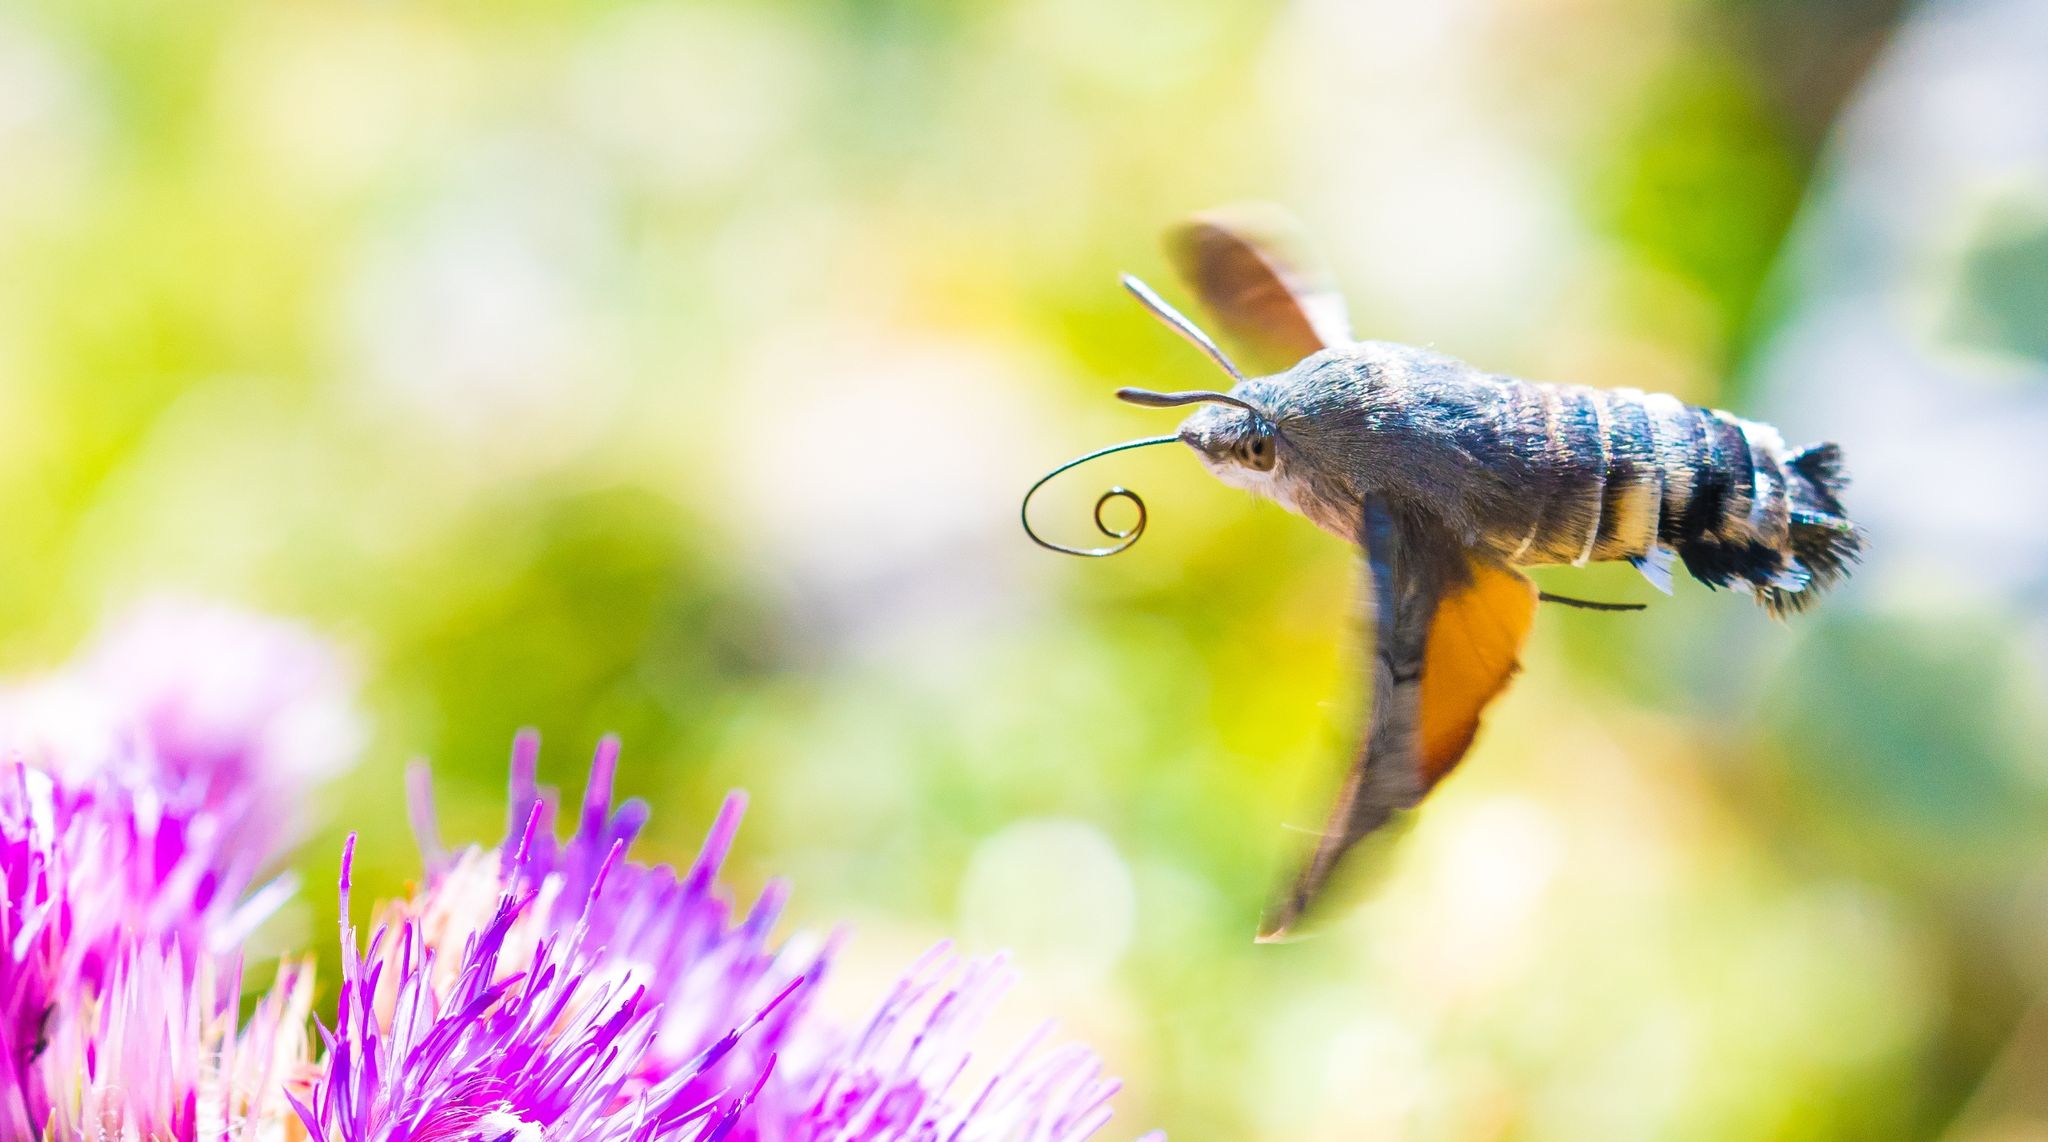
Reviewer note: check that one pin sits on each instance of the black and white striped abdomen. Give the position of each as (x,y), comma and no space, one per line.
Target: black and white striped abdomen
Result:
(1623,474)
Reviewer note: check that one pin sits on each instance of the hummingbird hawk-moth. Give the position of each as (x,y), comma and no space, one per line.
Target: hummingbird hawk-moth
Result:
(1449,479)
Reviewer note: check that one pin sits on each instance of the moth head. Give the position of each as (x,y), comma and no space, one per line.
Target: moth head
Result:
(1229,432)
(1233,435)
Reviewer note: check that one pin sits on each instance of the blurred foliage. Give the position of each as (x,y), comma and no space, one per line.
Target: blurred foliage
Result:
(673,369)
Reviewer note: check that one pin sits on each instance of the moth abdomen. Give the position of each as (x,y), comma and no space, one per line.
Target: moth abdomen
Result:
(1624,474)
(1632,503)
(1569,429)
(1753,514)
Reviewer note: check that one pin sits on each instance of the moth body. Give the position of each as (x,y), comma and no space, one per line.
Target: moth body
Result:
(1528,473)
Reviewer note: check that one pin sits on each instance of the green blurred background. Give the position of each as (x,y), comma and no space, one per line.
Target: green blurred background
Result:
(674,370)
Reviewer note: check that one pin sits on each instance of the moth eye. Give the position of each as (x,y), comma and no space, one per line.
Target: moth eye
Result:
(1258,452)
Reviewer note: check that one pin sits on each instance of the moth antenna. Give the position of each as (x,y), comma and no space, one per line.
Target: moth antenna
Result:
(1150,399)
(1179,324)
(1124,538)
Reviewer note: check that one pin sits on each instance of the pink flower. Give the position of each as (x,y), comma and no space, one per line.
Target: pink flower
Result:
(219,707)
(548,990)
(120,927)
(687,1018)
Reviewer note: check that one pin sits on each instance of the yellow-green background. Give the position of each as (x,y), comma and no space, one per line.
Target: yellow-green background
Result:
(673,369)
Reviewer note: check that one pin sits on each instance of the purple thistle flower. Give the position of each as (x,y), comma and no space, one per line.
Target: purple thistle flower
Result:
(713,968)
(730,1002)
(524,1036)
(212,706)
(545,991)
(117,917)
(159,1055)
(901,1076)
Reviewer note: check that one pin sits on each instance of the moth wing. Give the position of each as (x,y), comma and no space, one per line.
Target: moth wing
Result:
(1251,268)
(1474,648)
(1448,632)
